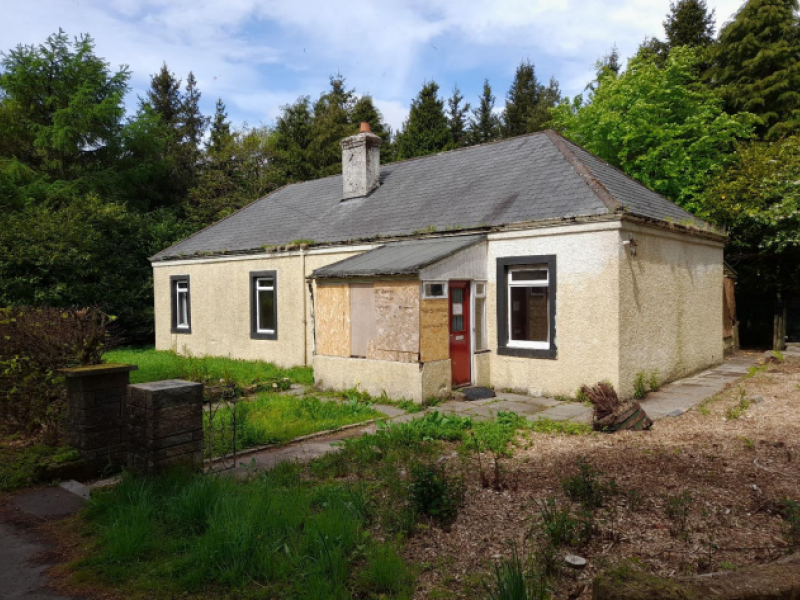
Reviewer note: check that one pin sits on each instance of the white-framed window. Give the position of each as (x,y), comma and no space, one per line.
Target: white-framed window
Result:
(264,305)
(480,289)
(181,304)
(528,307)
(434,290)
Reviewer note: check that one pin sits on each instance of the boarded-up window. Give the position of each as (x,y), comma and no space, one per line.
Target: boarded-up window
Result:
(362,318)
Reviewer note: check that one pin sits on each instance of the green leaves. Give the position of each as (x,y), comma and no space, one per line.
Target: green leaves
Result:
(662,126)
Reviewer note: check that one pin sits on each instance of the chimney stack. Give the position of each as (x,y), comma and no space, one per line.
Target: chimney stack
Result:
(361,163)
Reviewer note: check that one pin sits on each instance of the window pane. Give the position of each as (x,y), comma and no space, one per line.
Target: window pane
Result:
(529,275)
(480,323)
(458,323)
(266,313)
(183,309)
(458,295)
(435,290)
(265,283)
(529,314)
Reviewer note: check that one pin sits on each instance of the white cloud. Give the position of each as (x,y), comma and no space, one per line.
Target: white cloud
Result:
(260,54)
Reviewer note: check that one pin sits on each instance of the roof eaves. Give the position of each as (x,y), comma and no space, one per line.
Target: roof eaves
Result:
(593,182)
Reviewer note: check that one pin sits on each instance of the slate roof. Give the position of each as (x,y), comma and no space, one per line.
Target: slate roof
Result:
(399,258)
(534,177)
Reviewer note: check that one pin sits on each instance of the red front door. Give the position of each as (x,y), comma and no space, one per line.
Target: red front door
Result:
(460,344)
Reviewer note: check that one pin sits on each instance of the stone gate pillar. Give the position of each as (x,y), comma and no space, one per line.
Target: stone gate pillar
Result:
(96,413)
(165,425)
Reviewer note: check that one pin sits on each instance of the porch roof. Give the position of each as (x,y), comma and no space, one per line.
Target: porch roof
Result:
(398,258)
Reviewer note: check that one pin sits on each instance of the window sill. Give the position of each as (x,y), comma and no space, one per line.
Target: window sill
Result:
(181,330)
(549,353)
(485,351)
(255,335)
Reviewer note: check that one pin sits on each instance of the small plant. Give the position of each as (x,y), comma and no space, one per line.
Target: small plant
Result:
(791,513)
(653,383)
(435,493)
(563,528)
(678,508)
(635,499)
(640,385)
(589,486)
(736,411)
(778,356)
(387,573)
(513,581)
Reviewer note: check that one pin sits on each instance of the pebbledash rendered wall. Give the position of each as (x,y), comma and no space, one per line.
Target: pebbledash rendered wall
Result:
(671,296)
(220,305)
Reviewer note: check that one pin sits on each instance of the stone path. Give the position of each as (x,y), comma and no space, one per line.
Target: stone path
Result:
(671,400)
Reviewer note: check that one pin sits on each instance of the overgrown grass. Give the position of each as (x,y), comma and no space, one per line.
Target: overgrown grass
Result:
(25,465)
(274,536)
(157,365)
(276,419)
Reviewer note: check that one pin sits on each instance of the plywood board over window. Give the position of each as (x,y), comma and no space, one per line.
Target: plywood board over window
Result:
(332,313)
(362,318)
(396,321)
(434,340)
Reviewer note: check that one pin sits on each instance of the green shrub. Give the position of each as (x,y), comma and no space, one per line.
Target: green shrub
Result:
(435,493)
(791,513)
(589,486)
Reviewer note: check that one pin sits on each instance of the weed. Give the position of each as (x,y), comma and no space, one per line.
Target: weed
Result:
(559,427)
(580,395)
(386,572)
(563,528)
(495,436)
(435,493)
(791,513)
(678,509)
(778,356)
(736,411)
(727,566)
(653,382)
(640,385)
(589,486)
(755,370)
(513,580)
(635,499)
(748,443)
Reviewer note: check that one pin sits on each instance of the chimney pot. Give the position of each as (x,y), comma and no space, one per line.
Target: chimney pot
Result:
(361,163)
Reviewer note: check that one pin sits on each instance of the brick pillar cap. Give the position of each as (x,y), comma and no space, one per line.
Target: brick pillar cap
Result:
(90,370)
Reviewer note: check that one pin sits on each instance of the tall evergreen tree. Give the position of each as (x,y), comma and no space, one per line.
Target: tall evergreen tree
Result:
(521,100)
(426,130)
(164,97)
(484,125)
(757,65)
(457,117)
(193,123)
(689,23)
(528,103)
(220,134)
(365,110)
(330,123)
(291,141)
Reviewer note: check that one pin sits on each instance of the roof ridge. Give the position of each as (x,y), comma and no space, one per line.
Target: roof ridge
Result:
(585,172)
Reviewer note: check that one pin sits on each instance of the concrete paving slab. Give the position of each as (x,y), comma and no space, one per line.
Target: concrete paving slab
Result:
(76,488)
(21,579)
(565,412)
(51,502)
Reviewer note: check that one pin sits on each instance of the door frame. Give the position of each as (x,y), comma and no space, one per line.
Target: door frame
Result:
(469,327)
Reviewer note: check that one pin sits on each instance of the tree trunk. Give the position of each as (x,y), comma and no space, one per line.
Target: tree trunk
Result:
(779,326)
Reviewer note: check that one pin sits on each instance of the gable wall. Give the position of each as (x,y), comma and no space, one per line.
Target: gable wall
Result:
(671,313)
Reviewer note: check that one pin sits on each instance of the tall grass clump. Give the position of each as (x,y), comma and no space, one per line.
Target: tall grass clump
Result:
(185,532)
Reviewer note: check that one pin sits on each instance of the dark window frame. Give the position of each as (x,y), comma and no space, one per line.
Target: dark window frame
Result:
(503,265)
(173,284)
(255,334)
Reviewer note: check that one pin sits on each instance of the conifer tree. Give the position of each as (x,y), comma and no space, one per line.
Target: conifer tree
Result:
(291,141)
(689,23)
(426,130)
(193,123)
(365,110)
(457,118)
(484,125)
(220,135)
(757,65)
(521,100)
(331,123)
(164,97)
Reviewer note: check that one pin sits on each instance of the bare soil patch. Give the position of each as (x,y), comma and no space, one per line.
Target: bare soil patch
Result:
(736,456)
